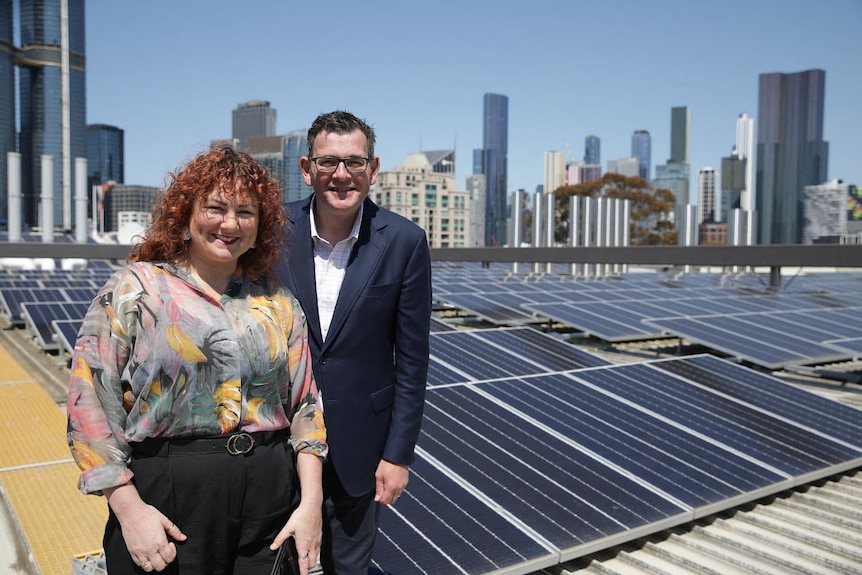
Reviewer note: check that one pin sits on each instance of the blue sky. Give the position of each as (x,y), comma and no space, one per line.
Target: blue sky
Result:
(170,72)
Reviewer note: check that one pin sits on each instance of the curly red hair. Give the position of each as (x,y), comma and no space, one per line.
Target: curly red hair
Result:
(221,168)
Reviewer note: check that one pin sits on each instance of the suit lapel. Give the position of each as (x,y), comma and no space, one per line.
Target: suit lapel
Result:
(301,258)
(364,259)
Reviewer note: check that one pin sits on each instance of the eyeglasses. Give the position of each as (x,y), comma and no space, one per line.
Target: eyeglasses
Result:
(329,164)
(219,214)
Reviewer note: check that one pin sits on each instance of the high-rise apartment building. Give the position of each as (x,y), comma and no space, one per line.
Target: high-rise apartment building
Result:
(825,211)
(592,150)
(680,135)
(423,191)
(51,101)
(629,167)
(555,171)
(253,119)
(495,149)
(121,202)
(707,199)
(477,197)
(791,152)
(641,149)
(105,155)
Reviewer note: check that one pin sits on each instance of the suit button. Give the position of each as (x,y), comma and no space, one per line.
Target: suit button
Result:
(323,360)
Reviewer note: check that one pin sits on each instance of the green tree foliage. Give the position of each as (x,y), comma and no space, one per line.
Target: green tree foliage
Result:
(651,209)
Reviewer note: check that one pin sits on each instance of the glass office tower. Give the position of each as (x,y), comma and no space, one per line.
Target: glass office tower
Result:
(495,149)
(295,146)
(7,99)
(105,154)
(592,150)
(42,92)
(791,153)
(641,149)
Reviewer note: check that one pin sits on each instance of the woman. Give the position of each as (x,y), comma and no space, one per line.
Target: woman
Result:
(191,387)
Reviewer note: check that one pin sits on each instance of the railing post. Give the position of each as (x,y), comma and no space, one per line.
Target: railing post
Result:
(775,279)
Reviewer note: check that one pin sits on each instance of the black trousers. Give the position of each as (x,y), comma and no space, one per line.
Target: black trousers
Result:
(349,527)
(231,507)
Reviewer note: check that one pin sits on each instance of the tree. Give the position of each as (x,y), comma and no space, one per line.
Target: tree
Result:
(650,208)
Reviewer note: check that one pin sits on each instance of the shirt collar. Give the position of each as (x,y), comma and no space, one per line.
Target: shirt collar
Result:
(354,232)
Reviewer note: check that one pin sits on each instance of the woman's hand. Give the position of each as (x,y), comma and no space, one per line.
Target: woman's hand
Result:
(148,534)
(305,526)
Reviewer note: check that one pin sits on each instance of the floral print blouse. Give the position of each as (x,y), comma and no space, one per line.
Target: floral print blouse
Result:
(157,357)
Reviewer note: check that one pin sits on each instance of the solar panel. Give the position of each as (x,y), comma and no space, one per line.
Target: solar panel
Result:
(439,527)
(66,333)
(461,356)
(750,340)
(602,320)
(548,352)
(572,463)
(12,298)
(490,308)
(852,345)
(39,315)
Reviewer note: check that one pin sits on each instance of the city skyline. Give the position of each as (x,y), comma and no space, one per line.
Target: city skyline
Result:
(556,63)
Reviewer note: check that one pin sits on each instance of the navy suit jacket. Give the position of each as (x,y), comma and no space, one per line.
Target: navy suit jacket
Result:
(372,368)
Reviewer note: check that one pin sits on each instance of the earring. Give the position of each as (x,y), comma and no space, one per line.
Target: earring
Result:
(252,246)
(187,235)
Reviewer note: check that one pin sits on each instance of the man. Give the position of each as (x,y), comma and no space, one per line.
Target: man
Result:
(363,277)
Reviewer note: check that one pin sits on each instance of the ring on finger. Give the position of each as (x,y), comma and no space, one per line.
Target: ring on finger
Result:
(145,563)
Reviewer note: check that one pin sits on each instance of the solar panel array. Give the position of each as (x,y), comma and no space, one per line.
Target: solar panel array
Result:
(37,299)
(796,326)
(522,473)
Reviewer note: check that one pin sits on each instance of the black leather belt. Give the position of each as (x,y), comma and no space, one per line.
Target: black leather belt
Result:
(235,443)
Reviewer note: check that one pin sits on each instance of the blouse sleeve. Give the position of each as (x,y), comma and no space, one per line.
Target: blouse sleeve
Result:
(305,409)
(96,415)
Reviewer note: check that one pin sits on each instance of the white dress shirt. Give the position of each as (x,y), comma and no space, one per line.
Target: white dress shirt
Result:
(330,263)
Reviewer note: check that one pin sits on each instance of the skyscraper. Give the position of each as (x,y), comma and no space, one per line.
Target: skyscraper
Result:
(253,119)
(675,175)
(592,150)
(745,152)
(641,149)
(555,171)
(732,184)
(7,96)
(791,152)
(495,149)
(52,102)
(680,135)
(105,154)
(295,146)
(707,199)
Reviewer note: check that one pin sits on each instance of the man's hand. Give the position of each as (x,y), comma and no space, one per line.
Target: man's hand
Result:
(391,480)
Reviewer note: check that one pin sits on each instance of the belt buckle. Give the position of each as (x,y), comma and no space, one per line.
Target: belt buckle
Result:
(239,444)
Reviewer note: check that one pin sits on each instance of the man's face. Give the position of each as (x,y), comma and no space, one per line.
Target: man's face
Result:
(342,191)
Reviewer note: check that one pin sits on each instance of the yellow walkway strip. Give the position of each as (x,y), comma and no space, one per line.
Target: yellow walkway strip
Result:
(39,478)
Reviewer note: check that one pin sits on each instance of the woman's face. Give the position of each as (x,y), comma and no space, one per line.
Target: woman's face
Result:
(222,228)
